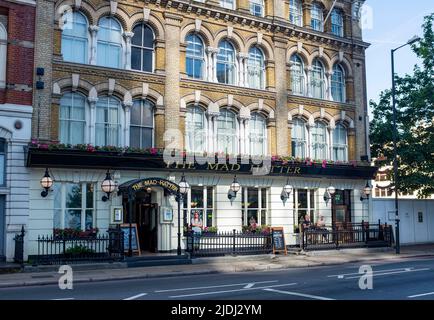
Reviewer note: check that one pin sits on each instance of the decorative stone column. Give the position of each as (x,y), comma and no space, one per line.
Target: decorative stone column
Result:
(172,80)
(212,119)
(352,144)
(211,75)
(244,134)
(93,43)
(127,121)
(280,44)
(92,108)
(330,142)
(329,85)
(242,69)
(307,6)
(308,75)
(128,36)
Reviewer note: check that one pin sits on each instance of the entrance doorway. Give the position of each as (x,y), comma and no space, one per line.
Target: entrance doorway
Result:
(341,208)
(145,216)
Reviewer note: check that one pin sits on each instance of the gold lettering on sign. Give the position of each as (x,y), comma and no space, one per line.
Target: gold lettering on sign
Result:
(212,166)
(235,167)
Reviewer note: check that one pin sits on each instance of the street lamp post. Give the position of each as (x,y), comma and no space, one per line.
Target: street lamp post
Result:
(183,190)
(395,133)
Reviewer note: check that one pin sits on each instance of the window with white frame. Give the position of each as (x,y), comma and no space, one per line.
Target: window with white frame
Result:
(74,37)
(317,17)
(227,132)
(338,83)
(228,4)
(142,124)
(298,138)
(226,63)
(108,122)
(337,23)
(297,75)
(195,129)
(109,45)
(142,48)
(74,206)
(304,204)
(340,144)
(254,206)
(317,80)
(3,149)
(3,54)
(296,12)
(200,200)
(195,57)
(257,7)
(319,141)
(258,134)
(72,118)
(256,68)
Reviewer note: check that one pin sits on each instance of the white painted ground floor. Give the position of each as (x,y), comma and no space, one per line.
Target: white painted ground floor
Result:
(75,201)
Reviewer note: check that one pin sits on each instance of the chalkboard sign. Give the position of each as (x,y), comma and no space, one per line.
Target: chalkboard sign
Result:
(278,240)
(135,245)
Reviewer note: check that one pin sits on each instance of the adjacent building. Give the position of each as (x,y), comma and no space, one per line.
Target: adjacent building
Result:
(17,22)
(133,89)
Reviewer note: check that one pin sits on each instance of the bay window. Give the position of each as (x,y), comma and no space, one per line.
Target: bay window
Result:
(74,37)
(72,118)
(254,206)
(108,122)
(74,206)
(142,124)
(109,44)
(195,129)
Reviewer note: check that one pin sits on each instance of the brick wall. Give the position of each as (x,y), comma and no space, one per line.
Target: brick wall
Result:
(20,49)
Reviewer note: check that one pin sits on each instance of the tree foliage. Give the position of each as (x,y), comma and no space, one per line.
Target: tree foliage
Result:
(415,121)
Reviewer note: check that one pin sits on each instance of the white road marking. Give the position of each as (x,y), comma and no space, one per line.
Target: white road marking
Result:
(136,296)
(250,285)
(63,299)
(421,295)
(388,273)
(220,286)
(354,273)
(234,290)
(299,294)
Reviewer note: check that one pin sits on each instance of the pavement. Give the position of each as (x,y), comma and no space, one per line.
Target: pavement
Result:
(218,265)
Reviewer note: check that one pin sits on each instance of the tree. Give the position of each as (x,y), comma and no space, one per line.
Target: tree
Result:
(415,121)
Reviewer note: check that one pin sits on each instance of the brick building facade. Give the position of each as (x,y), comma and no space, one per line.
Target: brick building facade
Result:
(284,80)
(17,32)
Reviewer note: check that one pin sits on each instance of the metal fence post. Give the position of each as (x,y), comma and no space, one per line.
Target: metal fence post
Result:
(233,242)
(19,247)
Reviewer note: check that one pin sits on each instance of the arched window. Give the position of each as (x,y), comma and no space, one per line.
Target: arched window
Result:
(109,47)
(227,132)
(298,138)
(317,80)
(142,124)
(72,118)
(74,37)
(195,57)
(226,63)
(337,23)
(297,75)
(296,13)
(257,7)
(3,54)
(228,4)
(258,135)
(142,48)
(195,129)
(319,141)
(340,144)
(108,122)
(317,17)
(256,68)
(338,83)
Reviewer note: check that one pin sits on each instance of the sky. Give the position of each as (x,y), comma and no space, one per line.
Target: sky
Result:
(393,23)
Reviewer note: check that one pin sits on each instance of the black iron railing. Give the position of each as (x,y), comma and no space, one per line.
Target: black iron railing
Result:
(19,247)
(232,242)
(350,235)
(54,249)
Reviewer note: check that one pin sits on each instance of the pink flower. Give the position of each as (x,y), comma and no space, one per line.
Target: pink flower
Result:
(324,163)
(153,151)
(44,146)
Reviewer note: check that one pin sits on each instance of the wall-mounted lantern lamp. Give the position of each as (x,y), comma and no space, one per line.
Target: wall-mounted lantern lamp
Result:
(286,191)
(46,183)
(183,186)
(233,189)
(108,186)
(366,192)
(328,195)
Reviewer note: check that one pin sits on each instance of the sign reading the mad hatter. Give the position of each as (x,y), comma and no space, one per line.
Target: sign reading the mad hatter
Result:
(155,182)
